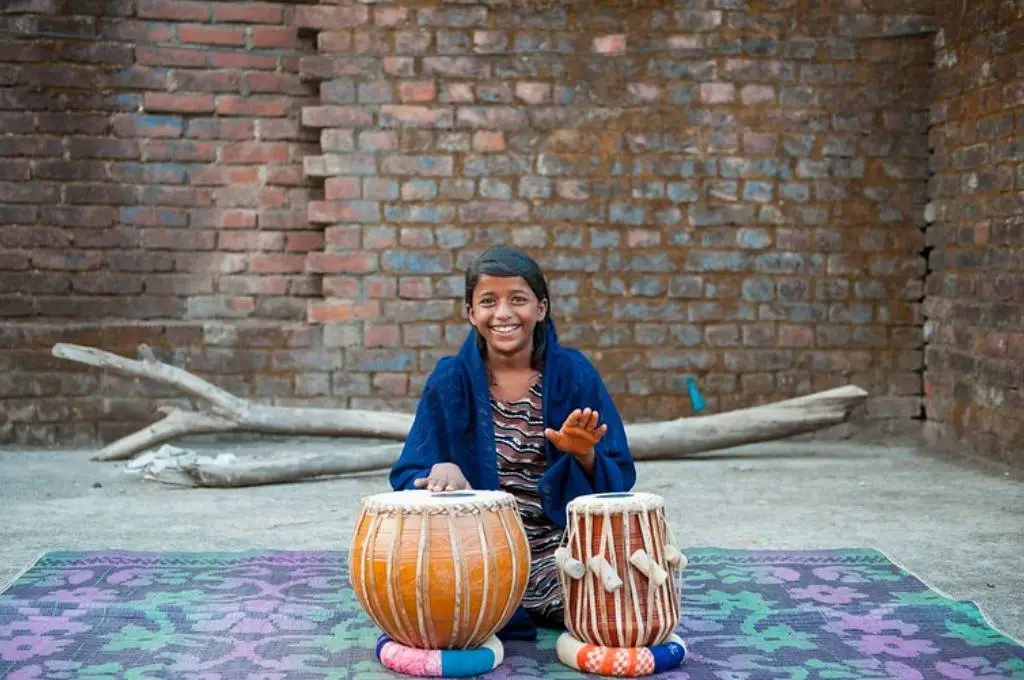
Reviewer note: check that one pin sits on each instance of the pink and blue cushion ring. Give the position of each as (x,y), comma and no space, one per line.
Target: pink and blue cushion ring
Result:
(440,663)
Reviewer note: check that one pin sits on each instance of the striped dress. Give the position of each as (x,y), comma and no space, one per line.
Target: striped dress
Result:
(519,440)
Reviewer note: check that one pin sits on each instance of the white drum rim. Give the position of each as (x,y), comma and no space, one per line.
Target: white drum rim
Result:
(422,500)
(616,501)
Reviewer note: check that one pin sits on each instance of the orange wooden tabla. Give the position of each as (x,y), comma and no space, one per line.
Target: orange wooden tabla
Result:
(439,570)
(616,565)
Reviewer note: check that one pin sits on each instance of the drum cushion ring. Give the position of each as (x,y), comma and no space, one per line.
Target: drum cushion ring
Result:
(440,663)
(625,662)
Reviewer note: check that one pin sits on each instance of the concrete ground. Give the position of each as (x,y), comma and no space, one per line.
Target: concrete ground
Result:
(957,526)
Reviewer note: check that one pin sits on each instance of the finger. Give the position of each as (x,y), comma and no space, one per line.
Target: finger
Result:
(601,430)
(421,482)
(554,437)
(573,418)
(594,419)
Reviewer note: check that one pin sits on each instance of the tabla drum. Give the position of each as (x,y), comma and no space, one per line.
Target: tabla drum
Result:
(615,564)
(439,570)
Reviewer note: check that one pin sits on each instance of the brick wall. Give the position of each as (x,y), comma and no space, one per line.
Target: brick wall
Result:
(713,189)
(283,196)
(975,304)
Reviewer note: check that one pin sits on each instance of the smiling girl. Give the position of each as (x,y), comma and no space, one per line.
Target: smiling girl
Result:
(516,411)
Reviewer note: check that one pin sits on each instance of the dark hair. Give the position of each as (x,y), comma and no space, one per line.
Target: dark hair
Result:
(511,261)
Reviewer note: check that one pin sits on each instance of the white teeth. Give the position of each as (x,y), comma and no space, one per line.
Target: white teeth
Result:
(504,329)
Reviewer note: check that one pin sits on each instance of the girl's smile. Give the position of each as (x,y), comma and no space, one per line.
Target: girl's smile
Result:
(505,311)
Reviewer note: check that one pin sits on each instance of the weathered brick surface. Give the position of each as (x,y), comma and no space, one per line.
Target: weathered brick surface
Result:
(729,190)
(974,382)
(745,209)
(144,143)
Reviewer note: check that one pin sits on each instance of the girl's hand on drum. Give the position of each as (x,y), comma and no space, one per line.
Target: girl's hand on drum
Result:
(443,477)
(579,433)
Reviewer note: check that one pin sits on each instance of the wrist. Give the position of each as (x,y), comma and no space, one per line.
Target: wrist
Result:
(586,456)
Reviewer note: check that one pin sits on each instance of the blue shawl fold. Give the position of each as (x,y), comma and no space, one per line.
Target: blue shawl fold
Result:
(453,424)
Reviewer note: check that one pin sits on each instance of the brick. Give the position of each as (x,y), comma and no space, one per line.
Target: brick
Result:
(342,311)
(610,44)
(286,83)
(178,103)
(453,141)
(174,11)
(495,164)
(494,211)
(249,13)
(448,42)
(426,166)
(378,189)
(390,16)
(213,128)
(416,116)
(344,211)
(430,214)
(211,35)
(327,66)
(337,140)
(414,92)
(488,140)
(459,17)
(495,189)
(457,67)
(491,117)
(342,188)
(250,240)
(335,116)
(331,17)
(343,238)
(339,164)
(418,310)
(407,262)
(419,190)
(752,95)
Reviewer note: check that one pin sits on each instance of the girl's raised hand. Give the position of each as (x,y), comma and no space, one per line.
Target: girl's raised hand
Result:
(579,433)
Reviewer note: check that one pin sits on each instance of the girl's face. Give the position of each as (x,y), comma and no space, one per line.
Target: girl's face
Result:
(504,310)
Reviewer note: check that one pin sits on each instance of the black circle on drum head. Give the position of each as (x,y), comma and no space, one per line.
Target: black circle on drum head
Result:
(617,494)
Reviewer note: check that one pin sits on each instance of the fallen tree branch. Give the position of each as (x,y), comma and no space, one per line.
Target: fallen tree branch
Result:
(293,467)
(648,441)
(799,415)
(177,423)
(230,413)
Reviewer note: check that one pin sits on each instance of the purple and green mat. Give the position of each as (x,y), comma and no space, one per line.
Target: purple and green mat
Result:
(272,614)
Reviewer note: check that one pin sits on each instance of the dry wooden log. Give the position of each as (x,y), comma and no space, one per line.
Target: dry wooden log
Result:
(686,436)
(648,441)
(227,412)
(291,467)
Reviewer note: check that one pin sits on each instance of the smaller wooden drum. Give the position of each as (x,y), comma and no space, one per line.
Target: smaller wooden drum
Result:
(439,570)
(616,567)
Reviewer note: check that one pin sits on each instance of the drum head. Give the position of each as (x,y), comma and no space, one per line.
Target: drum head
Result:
(421,498)
(620,501)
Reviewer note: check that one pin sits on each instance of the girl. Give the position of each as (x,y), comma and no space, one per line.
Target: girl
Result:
(515,411)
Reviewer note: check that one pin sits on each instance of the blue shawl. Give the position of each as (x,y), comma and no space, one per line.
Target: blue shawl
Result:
(453,424)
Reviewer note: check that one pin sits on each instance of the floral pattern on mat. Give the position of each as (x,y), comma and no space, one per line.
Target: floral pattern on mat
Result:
(842,614)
